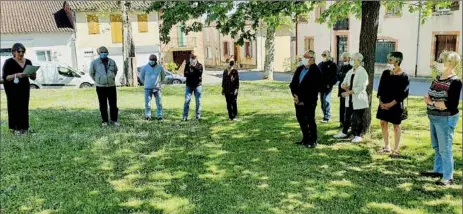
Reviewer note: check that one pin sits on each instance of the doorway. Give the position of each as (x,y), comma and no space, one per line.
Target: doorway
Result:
(341,47)
(180,57)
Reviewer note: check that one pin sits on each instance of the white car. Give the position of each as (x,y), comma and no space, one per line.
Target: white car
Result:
(61,76)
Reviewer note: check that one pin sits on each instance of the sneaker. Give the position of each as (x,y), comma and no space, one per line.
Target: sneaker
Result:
(16,132)
(324,121)
(235,119)
(444,182)
(311,145)
(159,118)
(340,135)
(117,124)
(147,118)
(104,124)
(184,119)
(357,139)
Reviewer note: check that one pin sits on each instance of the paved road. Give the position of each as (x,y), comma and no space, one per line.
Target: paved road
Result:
(417,87)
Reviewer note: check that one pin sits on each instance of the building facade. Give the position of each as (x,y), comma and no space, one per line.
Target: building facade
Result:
(398,30)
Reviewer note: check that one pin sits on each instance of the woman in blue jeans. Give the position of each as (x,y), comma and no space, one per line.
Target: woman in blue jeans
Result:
(442,102)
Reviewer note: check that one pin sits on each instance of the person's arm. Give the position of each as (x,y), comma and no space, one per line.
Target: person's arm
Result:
(362,82)
(404,93)
(334,72)
(186,70)
(381,85)
(142,74)
(223,81)
(294,80)
(453,94)
(237,79)
(91,71)
(115,68)
(5,70)
(346,80)
(199,69)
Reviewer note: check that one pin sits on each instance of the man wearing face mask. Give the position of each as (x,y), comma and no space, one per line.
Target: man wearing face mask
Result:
(193,73)
(230,86)
(151,76)
(345,67)
(305,86)
(329,71)
(103,71)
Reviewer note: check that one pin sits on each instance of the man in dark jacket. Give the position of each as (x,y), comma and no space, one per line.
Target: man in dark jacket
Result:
(305,86)
(329,71)
(345,67)
(193,73)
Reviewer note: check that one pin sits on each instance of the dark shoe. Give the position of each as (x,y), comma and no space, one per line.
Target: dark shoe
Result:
(431,174)
(148,118)
(444,182)
(159,118)
(198,119)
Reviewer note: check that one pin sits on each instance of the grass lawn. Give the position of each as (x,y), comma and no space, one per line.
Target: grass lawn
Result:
(72,165)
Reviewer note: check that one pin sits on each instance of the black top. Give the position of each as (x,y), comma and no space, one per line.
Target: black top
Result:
(11,67)
(341,75)
(393,87)
(448,91)
(230,82)
(307,90)
(193,75)
(351,103)
(329,71)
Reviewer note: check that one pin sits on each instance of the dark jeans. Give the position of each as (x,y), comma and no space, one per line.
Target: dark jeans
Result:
(305,115)
(231,105)
(342,110)
(353,119)
(18,107)
(325,99)
(108,95)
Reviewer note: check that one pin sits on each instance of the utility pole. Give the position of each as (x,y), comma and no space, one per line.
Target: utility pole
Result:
(418,40)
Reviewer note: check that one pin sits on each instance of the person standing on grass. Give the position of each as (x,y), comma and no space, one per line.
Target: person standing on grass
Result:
(392,91)
(329,71)
(304,87)
(103,71)
(193,73)
(442,102)
(356,102)
(151,76)
(17,90)
(230,86)
(345,67)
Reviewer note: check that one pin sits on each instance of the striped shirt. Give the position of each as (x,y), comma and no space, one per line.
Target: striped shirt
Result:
(447,91)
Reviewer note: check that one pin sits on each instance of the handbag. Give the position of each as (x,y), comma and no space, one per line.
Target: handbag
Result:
(404,115)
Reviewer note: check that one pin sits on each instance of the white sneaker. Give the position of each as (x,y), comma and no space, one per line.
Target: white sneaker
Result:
(357,139)
(340,135)
(116,124)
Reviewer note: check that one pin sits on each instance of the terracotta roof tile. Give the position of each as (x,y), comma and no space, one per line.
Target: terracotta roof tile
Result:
(106,5)
(33,17)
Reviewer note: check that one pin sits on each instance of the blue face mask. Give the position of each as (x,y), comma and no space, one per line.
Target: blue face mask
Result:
(103,55)
(152,62)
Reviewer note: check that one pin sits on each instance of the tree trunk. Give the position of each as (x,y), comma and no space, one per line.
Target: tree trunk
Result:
(269,53)
(128,47)
(368,36)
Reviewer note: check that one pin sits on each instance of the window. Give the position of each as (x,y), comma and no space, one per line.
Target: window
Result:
(142,23)
(394,11)
(5,52)
(444,43)
(65,72)
(452,7)
(181,37)
(319,11)
(93,24)
(341,25)
(116,28)
(308,43)
(383,48)
(248,49)
(43,56)
(209,53)
(225,49)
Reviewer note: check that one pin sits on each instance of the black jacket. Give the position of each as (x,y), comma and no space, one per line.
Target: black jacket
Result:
(341,75)
(193,75)
(307,90)
(329,71)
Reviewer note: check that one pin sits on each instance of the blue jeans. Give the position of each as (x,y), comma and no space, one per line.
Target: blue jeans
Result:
(442,130)
(148,97)
(325,99)
(186,107)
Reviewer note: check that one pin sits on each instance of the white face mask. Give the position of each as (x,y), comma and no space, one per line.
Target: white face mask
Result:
(305,62)
(345,63)
(390,67)
(300,63)
(16,80)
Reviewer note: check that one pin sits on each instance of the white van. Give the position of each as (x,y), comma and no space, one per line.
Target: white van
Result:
(62,76)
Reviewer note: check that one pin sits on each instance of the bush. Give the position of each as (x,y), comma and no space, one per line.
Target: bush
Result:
(290,65)
(171,66)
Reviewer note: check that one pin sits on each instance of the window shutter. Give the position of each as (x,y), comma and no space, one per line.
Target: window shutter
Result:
(225,48)
(142,23)
(116,28)
(93,25)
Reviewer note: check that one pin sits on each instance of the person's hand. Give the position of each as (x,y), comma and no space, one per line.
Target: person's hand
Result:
(344,86)
(441,105)
(296,99)
(33,76)
(20,75)
(236,91)
(427,99)
(386,106)
(345,94)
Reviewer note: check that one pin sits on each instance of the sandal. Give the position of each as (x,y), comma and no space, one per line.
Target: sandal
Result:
(385,150)
(395,155)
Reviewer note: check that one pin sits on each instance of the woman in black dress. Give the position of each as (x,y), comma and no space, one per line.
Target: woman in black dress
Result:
(17,89)
(230,86)
(392,91)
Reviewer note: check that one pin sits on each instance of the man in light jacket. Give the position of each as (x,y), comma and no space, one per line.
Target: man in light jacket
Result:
(103,71)
(151,76)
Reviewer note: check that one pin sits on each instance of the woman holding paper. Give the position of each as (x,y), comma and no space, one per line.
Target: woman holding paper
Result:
(17,89)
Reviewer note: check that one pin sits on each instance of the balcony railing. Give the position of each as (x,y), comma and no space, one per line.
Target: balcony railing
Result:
(341,25)
(185,42)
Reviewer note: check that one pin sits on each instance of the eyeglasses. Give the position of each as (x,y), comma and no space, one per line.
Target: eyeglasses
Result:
(323,55)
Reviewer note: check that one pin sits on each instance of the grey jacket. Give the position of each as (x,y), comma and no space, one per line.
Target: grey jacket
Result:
(151,77)
(104,76)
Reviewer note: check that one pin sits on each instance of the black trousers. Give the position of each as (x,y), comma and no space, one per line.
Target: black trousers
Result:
(342,110)
(17,98)
(353,119)
(231,105)
(108,95)
(305,115)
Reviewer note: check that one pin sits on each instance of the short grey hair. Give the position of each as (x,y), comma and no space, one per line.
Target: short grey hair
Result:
(102,49)
(345,54)
(357,56)
(327,52)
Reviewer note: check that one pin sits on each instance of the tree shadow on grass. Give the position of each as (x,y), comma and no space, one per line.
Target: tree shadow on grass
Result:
(211,166)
